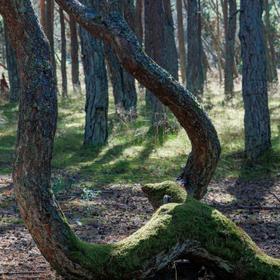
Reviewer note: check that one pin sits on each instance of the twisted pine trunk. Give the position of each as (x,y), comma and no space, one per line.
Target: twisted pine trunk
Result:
(184,228)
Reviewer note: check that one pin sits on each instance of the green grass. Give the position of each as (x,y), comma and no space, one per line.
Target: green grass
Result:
(134,154)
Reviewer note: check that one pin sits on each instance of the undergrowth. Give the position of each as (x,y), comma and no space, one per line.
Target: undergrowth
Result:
(134,154)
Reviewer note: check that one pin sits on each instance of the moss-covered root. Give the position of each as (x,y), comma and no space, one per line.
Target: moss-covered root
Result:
(203,235)
(168,190)
(180,230)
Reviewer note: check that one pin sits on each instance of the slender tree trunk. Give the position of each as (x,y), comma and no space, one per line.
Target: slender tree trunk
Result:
(181,40)
(230,33)
(160,45)
(63,54)
(50,29)
(195,76)
(13,74)
(93,57)
(2,45)
(43,14)
(139,28)
(218,40)
(171,55)
(74,57)
(254,82)
(272,75)
(124,91)
(130,102)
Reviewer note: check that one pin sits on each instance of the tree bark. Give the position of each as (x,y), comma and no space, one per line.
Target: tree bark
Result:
(63,54)
(195,76)
(185,228)
(254,81)
(139,25)
(181,40)
(43,19)
(124,91)
(230,33)
(272,75)
(50,30)
(159,45)
(74,56)
(218,40)
(14,80)
(93,57)
(169,41)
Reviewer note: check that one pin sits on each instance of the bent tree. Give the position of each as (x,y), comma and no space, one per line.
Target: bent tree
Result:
(185,228)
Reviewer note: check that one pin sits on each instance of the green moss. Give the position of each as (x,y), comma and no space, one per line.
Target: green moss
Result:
(156,192)
(174,224)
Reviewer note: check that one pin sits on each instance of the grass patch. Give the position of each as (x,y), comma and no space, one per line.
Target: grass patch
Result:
(134,154)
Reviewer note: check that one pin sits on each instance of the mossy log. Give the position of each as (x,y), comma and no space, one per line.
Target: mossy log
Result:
(185,229)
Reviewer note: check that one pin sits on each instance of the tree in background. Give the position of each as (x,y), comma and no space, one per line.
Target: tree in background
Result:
(49,18)
(195,72)
(181,40)
(14,81)
(160,46)
(254,80)
(124,91)
(63,54)
(230,16)
(43,19)
(74,56)
(269,43)
(171,55)
(47,22)
(93,58)
(139,20)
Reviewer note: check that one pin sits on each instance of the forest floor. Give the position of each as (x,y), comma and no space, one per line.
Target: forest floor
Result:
(109,214)
(99,189)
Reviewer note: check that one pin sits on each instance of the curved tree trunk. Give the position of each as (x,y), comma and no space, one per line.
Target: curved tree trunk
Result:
(185,228)
(254,81)
(93,57)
